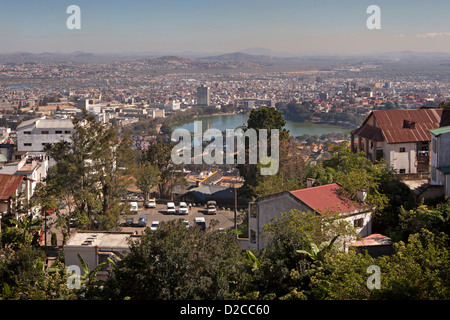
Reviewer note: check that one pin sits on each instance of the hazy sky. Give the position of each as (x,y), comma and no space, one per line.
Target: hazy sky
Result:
(327,26)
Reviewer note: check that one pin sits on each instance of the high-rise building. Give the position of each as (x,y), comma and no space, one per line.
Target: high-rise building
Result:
(203,96)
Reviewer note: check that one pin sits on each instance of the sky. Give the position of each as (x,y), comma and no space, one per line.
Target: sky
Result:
(220,26)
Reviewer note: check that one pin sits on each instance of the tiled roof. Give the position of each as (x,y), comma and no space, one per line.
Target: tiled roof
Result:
(326,199)
(9,184)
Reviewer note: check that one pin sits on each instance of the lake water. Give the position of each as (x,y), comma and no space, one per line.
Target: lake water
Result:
(223,122)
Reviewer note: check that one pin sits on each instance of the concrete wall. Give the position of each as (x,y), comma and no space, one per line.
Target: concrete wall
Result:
(269,209)
(401,160)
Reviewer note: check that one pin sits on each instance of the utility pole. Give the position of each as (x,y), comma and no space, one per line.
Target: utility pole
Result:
(235,204)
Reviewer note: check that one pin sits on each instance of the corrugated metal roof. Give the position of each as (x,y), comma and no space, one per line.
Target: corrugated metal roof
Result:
(369,132)
(326,199)
(392,124)
(9,184)
(27,123)
(438,131)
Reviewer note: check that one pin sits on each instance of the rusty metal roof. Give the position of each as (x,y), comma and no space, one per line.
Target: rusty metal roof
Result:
(369,132)
(400,126)
(9,184)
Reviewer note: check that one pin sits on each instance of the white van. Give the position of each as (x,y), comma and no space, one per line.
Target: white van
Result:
(171,208)
(183,208)
(134,206)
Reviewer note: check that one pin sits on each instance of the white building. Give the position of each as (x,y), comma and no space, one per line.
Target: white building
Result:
(440,158)
(96,247)
(400,137)
(322,200)
(33,135)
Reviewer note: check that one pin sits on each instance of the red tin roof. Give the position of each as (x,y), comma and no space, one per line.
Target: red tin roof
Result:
(326,199)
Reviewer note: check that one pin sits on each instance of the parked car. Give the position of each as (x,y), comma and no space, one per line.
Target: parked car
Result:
(134,206)
(200,222)
(151,203)
(211,207)
(142,222)
(183,208)
(129,221)
(171,208)
(154,225)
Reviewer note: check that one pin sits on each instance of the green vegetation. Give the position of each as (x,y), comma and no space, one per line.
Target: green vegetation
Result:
(301,260)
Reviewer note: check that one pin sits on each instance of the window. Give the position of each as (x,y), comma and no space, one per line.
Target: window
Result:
(44,132)
(402,149)
(58,132)
(253,210)
(27,132)
(252,236)
(67,132)
(402,171)
(358,223)
(27,144)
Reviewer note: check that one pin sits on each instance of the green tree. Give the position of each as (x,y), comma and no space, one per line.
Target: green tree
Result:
(22,276)
(147,176)
(92,171)
(159,155)
(284,267)
(176,263)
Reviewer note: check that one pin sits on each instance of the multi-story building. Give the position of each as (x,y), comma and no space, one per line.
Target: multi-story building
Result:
(400,137)
(33,135)
(203,96)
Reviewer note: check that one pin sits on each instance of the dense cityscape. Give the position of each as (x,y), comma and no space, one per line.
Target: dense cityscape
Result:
(95,203)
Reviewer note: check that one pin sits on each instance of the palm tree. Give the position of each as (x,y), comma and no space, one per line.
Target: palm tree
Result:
(317,252)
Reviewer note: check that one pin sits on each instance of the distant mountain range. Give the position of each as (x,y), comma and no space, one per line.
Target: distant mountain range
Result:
(260,56)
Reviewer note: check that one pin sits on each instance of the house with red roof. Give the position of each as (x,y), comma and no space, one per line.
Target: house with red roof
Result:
(326,200)
(12,185)
(400,137)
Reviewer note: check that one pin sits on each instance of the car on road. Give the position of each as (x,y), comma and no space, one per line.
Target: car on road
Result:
(134,206)
(200,222)
(183,208)
(171,208)
(151,203)
(211,207)
(154,225)
(142,222)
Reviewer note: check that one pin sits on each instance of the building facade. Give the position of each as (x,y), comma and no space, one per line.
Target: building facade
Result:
(203,98)
(440,158)
(33,135)
(322,200)
(400,137)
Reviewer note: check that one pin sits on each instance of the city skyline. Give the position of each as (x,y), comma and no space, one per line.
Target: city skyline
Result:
(285,27)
